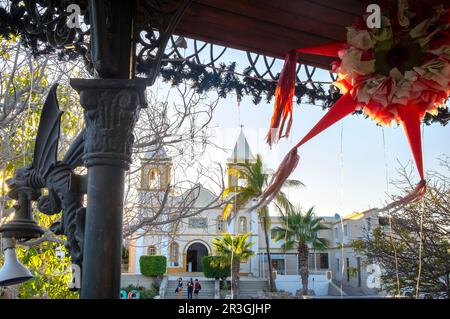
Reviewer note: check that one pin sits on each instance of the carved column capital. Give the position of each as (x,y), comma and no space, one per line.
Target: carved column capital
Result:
(111,111)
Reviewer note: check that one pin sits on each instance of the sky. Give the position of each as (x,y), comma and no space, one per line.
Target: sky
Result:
(354,179)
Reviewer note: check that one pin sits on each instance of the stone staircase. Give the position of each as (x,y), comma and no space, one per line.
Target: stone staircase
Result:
(207,291)
(250,288)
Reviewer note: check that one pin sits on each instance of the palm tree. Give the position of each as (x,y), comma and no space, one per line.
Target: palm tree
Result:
(301,229)
(232,250)
(256,182)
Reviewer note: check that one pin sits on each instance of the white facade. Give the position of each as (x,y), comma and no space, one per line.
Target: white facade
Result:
(192,238)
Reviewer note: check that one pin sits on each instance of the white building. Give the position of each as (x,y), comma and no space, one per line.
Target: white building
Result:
(192,239)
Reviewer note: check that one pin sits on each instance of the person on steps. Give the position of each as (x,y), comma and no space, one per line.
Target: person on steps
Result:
(197,288)
(179,289)
(190,288)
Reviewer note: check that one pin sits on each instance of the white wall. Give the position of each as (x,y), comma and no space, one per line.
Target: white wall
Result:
(292,283)
(140,251)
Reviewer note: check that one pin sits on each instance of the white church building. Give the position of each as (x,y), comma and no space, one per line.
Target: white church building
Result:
(192,239)
(186,244)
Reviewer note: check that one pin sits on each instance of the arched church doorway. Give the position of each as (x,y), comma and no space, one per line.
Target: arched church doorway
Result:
(194,255)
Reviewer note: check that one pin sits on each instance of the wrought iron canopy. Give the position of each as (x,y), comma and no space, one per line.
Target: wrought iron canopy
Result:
(261,27)
(205,31)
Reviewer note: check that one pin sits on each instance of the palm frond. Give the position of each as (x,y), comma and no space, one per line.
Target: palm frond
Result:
(293,183)
(236,246)
(298,226)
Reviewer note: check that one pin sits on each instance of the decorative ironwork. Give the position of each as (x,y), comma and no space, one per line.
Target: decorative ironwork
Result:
(44,26)
(257,67)
(210,55)
(111,110)
(46,171)
(154,25)
(45,21)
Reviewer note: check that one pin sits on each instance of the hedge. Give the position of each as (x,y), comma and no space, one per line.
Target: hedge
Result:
(153,265)
(211,271)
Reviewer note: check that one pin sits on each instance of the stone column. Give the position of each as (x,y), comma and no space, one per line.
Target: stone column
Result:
(110,111)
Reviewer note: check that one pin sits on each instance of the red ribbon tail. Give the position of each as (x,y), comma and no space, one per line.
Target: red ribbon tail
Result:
(344,106)
(329,49)
(410,120)
(413,196)
(284,93)
(285,90)
(285,169)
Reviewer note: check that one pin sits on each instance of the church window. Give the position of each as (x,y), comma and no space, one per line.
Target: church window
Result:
(154,179)
(242,224)
(220,224)
(151,250)
(242,181)
(173,253)
(198,223)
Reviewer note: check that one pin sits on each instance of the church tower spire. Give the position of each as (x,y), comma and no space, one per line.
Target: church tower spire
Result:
(241,154)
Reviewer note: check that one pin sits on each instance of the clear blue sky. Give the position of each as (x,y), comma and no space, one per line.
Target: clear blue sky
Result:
(356,182)
(347,181)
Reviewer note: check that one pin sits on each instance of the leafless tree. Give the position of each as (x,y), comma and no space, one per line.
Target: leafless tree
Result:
(178,127)
(24,83)
(413,247)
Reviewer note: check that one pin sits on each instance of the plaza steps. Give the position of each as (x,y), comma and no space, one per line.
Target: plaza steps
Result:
(207,291)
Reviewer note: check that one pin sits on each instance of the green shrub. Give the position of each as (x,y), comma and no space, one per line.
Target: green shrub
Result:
(212,269)
(149,293)
(144,293)
(153,265)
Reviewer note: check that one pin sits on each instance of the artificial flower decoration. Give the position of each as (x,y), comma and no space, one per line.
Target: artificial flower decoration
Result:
(394,74)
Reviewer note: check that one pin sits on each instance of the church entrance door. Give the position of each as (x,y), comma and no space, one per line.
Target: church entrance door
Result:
(194,256)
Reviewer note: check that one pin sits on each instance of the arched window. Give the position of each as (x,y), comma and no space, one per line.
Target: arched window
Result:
(173,252)
(242,224)
(154,178)
(151,250)
(242,181)
(220,224)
